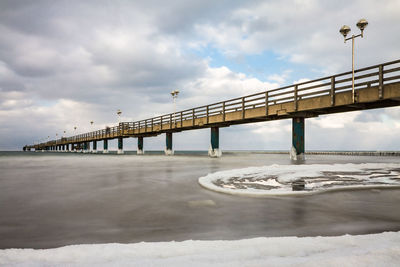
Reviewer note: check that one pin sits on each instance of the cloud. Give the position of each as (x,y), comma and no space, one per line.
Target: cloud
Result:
(307,31)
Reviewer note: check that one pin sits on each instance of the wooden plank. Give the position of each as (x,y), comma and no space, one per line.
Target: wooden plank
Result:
(380,90)
(223,111)
(243,109)
(332,92)
(208,115)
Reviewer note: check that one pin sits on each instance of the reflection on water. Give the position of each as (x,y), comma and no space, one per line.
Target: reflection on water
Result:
(50,200)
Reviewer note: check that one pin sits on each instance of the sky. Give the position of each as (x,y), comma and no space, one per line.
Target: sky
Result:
(66,63)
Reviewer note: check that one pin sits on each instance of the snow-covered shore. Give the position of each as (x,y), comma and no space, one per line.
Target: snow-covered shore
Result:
(362,250)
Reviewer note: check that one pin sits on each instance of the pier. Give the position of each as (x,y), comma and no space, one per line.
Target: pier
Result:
(376,86)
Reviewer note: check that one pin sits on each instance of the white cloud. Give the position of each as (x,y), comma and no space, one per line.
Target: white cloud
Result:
(219,84)
(307,31)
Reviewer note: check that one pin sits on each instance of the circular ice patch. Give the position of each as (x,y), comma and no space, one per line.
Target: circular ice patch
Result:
(302,179)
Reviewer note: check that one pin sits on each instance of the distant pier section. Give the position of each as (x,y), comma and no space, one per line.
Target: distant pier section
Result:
(376,86)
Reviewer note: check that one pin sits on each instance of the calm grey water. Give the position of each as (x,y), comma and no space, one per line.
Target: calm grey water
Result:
(51,200)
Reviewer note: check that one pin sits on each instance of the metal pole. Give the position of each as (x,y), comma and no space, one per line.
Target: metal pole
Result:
(174,111)
(352,67)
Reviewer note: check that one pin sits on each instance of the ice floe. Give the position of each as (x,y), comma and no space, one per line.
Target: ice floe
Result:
(302,179)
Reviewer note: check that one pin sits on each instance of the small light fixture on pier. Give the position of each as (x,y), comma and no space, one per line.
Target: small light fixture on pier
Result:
(344,31)
(175,93)
(361,24)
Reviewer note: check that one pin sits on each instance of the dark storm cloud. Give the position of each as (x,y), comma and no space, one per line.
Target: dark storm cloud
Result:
(67,49)
(181,16)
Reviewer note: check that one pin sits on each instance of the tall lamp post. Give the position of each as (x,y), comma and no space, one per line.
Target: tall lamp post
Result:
(74,148)
(62,137)
(94,148)
(174,96)
(91,127)
(119,112)
(361,24)
(56,141)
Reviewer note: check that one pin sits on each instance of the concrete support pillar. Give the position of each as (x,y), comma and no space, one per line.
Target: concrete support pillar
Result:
(168,142)
(297,152)
(66,147)
(120,145)
(94,147)
(105,146)
(140,145)
(214,150)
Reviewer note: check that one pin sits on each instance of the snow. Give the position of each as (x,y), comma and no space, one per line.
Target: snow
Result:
(278,179)
(363,250)
(294,156)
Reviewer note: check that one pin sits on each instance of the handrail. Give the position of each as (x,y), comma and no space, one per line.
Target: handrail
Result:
(294,92)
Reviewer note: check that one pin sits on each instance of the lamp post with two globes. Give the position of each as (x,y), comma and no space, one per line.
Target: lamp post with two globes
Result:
(174,96)
(361,24)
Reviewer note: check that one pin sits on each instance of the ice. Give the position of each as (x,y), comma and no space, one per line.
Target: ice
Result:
(278,179)
(363,250)
(295,156)
(214,153)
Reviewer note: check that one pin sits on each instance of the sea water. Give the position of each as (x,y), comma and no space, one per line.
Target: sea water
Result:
(57,199)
